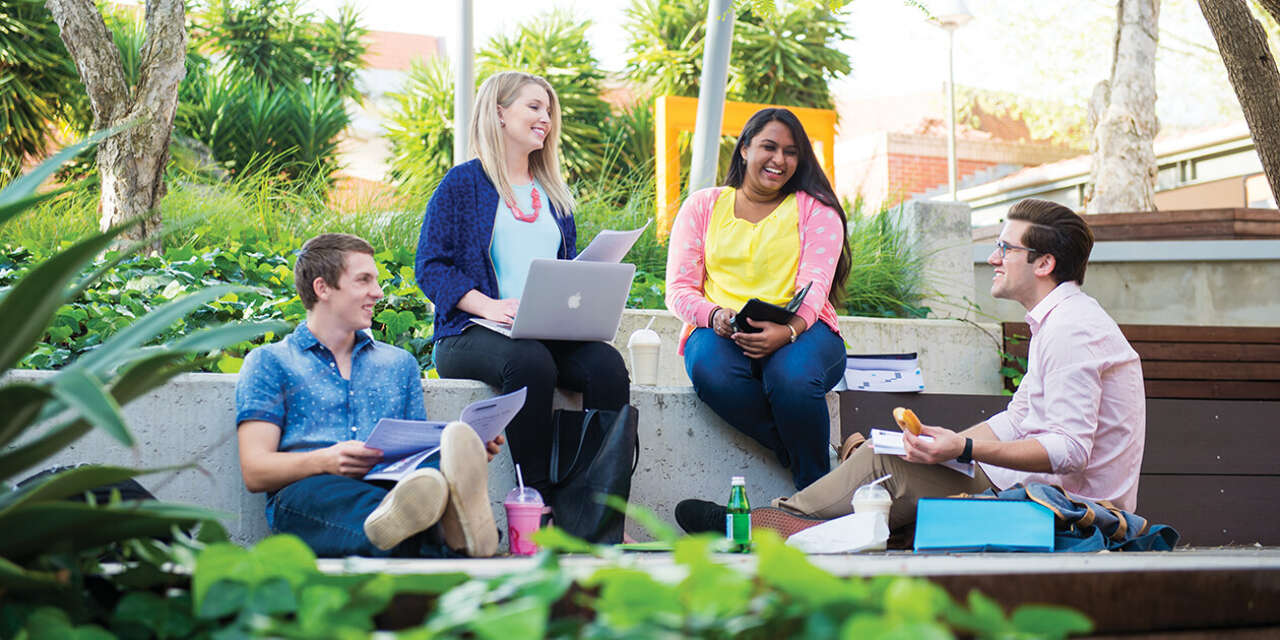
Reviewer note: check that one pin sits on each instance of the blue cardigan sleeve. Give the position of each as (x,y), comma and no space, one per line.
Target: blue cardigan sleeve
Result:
(442,243)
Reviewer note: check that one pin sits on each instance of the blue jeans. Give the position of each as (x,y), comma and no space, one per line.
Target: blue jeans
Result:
(779,400)
(328,513)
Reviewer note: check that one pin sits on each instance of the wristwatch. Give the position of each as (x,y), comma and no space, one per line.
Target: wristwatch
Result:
(967,456)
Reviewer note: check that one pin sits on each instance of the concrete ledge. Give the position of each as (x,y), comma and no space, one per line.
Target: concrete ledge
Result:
(686,450)
(956,356)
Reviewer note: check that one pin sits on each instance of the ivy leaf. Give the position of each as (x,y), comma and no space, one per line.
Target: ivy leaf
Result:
(1049,621)
(222,598)
(522,619)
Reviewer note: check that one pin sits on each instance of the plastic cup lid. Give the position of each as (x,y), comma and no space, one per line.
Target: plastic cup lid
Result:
(644,336)
(528,495)
(871,492)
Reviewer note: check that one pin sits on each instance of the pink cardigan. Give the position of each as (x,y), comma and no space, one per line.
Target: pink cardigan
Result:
(820,243)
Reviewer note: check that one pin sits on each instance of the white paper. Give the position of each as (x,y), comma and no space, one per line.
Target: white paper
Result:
(879,363)
(846,534)
(406,443)
(883,373)
(890,443)
(888,381)
(611,246)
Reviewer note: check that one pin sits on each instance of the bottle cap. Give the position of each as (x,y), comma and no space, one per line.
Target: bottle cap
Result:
(742,480)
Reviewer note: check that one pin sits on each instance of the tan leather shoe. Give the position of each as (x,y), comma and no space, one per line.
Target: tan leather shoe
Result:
(468,523)
(414,504)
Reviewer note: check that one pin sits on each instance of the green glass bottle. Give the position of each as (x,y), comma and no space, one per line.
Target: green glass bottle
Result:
(737,521)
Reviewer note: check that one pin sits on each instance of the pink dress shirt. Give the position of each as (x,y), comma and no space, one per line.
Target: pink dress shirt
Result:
(820,245)
(1083,400)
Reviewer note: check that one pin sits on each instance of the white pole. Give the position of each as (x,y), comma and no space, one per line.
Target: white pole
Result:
(715,77)
(951,113)
(464,84)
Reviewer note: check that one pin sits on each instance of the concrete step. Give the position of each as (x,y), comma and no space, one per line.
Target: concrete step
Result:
(685,449)
(1199,592)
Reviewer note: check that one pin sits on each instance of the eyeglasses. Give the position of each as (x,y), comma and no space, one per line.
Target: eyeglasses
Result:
(1004,248)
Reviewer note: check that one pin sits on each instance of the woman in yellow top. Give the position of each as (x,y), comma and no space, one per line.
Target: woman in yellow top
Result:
(773,229)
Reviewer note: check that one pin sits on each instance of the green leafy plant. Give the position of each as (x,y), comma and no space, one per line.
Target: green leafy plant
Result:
(886,274)
(290,130)
(421,126)
(781,54)
(45,541)
(1012,367)
(277,43)
(37,81)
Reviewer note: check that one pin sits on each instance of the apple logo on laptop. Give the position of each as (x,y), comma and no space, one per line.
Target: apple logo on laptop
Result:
(575,300)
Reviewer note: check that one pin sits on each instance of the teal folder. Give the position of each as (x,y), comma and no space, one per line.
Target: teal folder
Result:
(978,524)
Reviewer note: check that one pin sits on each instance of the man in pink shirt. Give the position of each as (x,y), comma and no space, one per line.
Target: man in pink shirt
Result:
(1078,420)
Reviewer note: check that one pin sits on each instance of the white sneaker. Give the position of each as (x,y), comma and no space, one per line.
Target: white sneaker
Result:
(468,523)
(413,505)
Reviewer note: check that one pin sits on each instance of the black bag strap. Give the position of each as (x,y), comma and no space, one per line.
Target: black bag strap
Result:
(557,442)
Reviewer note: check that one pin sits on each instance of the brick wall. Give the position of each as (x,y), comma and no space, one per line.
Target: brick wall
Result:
(913,174)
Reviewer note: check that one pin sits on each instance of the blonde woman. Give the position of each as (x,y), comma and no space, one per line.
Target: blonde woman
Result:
(488,219)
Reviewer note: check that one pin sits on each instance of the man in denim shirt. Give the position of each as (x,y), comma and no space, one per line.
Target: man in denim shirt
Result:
(305,405)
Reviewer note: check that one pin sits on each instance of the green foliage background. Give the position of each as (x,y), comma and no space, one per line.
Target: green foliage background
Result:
(37,82)
(785,55)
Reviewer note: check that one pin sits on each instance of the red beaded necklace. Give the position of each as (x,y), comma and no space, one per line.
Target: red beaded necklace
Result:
(522,216)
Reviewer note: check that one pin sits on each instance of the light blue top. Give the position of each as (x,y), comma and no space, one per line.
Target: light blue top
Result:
(516,243)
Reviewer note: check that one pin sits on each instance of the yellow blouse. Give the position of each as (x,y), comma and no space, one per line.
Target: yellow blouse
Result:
(746,260)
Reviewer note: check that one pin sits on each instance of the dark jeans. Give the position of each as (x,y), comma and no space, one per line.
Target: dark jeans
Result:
(595,369)
(328,513)
(779,400)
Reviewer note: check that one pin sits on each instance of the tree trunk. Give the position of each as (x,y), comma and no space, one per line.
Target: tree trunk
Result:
(131,163)
(1123,176)
(1253,74)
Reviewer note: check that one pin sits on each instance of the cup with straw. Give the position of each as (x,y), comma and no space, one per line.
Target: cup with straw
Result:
(524,507)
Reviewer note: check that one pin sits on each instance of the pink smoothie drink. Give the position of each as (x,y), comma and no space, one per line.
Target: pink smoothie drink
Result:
(524,516)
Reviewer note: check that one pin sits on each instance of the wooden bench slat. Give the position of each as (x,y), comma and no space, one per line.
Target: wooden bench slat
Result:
(1202,370)
(1212,437)
(1207,351)
(1202,229)
(1213,510)
(1215,389)
(1177,333)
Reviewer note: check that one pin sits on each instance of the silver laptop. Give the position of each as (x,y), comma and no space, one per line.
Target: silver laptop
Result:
(569,300)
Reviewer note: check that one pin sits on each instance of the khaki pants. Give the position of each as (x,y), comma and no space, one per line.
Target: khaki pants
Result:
(829,497)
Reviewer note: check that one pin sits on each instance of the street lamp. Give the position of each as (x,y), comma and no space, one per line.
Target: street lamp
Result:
(950,15)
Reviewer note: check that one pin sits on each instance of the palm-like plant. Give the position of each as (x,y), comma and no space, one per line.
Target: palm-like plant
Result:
(781,55)
(39,529)
(789,57)
(249,126)
(338,50)
(421,130)
(37,78)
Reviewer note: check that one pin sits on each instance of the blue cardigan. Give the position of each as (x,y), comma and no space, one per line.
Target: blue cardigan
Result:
(453,247)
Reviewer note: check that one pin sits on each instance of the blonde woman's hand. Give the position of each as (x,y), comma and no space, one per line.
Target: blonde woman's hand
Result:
(503,311)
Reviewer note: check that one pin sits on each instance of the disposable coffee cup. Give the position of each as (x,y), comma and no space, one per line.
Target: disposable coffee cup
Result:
(524,517)
(873,498)
(645,346)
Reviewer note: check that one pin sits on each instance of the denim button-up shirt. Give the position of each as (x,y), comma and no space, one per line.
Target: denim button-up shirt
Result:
(295,385)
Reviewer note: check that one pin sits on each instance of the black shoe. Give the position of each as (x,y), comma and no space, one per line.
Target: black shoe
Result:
(700,516)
